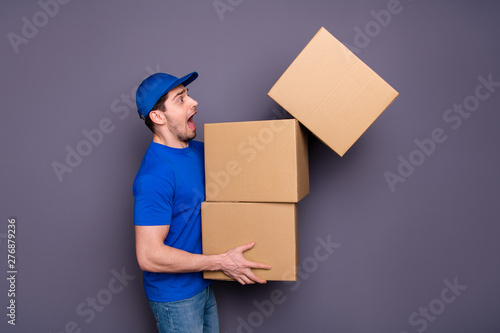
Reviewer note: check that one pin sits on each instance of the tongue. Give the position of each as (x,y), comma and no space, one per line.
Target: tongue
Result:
(191,124)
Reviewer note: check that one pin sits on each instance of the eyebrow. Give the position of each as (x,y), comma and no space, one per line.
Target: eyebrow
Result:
(185,90)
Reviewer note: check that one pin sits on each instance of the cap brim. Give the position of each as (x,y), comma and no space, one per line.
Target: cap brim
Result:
(185,80)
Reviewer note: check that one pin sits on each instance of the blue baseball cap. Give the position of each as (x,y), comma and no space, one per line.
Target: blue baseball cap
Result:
(155,86)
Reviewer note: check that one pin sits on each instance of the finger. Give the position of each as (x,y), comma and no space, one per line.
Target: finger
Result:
(254,278)
(260,265)
(247,280)
(258,280)
(243,279)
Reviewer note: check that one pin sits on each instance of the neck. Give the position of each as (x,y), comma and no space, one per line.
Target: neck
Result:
(169,141)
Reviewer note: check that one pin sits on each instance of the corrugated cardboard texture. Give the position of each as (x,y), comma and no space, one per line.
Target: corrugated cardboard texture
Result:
(332,92)
(272,226)
(256,161)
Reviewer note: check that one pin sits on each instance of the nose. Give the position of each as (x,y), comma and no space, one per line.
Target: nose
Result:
(194,102)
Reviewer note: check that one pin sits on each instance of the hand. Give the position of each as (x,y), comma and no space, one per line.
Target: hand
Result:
(237,267)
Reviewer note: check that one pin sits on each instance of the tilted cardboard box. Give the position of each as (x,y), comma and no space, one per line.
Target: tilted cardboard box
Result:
(256,161)
(332,92)
(272,226)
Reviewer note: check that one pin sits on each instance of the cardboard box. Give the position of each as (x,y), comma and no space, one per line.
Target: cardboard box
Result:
(272,226)
(256,161)
(333,93)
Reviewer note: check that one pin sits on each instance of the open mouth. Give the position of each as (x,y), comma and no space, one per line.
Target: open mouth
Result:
(190,122)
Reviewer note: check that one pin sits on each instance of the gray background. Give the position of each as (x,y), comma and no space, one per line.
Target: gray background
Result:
(397,248)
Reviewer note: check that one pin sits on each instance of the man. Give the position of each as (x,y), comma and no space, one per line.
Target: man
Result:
(168,191)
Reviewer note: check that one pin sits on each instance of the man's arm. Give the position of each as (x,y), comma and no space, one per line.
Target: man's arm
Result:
(154,256)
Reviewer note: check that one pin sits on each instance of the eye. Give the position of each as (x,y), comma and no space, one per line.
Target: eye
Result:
(181,99)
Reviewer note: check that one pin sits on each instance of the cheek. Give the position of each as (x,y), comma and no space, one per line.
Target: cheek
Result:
(174,117)
(176,122)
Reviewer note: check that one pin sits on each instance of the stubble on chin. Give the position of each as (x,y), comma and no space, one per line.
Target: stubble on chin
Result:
(183,136)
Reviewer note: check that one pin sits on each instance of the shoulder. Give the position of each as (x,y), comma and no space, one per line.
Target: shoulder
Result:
(154,169)
(149,185)
(156,161)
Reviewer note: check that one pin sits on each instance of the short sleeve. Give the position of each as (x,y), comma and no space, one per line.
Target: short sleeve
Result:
(153,203)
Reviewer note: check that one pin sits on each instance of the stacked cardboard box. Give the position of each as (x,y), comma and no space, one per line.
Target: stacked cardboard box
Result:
(256,161)
(256,172)
(272,226)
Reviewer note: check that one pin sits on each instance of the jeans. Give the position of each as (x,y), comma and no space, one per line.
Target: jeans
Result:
(197,314)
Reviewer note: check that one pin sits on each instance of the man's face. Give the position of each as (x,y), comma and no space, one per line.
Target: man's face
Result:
(180,110)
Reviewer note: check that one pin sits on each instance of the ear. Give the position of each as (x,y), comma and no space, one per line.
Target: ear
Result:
(157,117)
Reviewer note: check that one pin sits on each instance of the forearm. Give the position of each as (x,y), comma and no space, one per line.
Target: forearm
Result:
(154,256)
(167,259)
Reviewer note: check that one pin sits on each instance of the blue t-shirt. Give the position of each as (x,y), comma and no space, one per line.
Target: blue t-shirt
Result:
(168,190)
